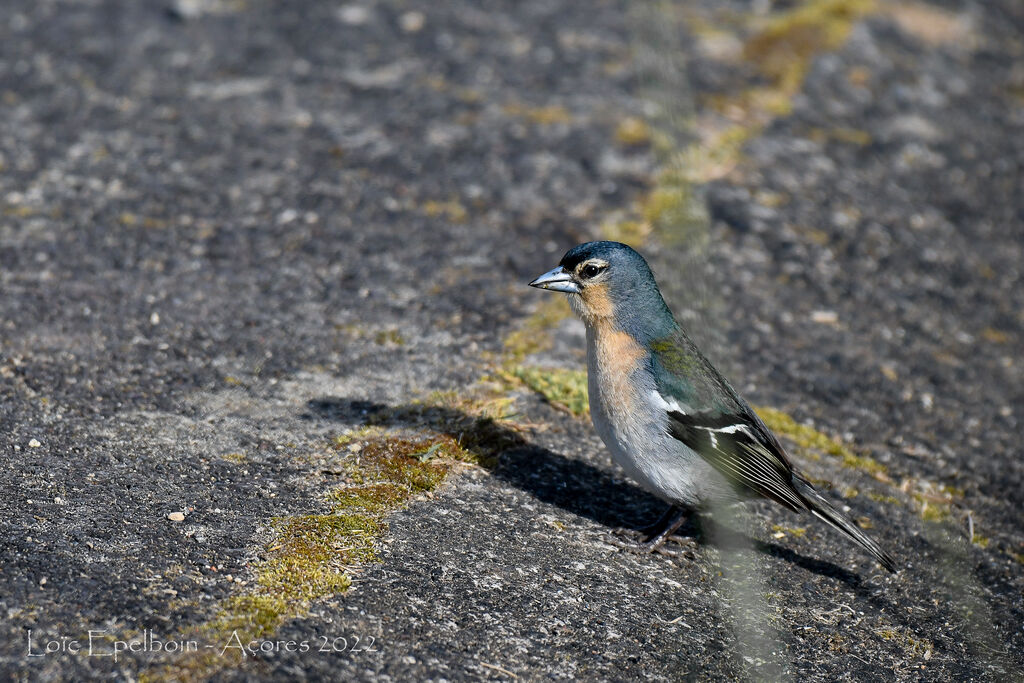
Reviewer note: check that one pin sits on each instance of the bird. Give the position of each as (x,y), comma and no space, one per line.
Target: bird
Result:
(666,414)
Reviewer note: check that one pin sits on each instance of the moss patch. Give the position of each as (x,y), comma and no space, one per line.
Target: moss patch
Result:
(911,644)
(781,47)
(395,464)
(848,136)
(934,502)
(633,132)
(385,337)
(544,116)
(808,437)
(562,388)
(995,336)
(784,47)
(626,230)
(932,512)
(533,336)
(452,209)
(312,556)
(779,531)
(674,210)
(882,498)
(468,428)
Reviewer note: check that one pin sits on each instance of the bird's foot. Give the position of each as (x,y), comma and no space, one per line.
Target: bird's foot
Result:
(652,539)
(628,540)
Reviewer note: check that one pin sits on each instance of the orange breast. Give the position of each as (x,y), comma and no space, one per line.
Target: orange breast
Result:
(616,356)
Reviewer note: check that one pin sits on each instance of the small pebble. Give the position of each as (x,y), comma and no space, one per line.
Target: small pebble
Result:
(34,443)
(176,516)
(353,15)
(411,22)
(825,317)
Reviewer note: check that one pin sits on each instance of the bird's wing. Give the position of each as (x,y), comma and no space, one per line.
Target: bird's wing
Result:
(706,414)
(734,446)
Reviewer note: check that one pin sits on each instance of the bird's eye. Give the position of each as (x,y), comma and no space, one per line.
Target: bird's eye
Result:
(590,270)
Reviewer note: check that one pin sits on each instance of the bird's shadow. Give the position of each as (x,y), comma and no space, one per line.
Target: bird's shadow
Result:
(573,485)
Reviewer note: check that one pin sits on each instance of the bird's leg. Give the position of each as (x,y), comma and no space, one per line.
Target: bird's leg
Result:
(655,535)
(651,529)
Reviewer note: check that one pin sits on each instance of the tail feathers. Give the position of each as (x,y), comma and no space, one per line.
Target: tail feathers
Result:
(824,511)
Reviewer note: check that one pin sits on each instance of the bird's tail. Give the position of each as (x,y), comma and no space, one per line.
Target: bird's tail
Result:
(823,510)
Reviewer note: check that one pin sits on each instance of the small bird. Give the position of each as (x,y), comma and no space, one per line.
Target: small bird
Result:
(669,418)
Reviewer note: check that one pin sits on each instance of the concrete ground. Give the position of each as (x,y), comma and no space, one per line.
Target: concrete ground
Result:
(273,389)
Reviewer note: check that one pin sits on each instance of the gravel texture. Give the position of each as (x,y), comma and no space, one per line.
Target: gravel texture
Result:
(231,230)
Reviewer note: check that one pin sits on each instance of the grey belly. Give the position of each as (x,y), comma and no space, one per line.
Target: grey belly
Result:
(657,462)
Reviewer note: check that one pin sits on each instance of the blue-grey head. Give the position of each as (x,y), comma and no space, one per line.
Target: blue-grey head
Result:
(610,283)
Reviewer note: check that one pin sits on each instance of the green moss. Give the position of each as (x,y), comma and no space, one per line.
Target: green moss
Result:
(780,530)
(131,220)
(389,337)
(369,498)
(309,559)
(849,136)
(393,461)
(543,116)
(471,405)
(352,436)
(633,132)
(249,614)
(631,232)
(912,645)
(808,437)
(452,209)
(534,335)
(720,152)
(995,336)
(866,464)
(18,211)
(882,498)
(952,491)
(934,512)
(566,389)
(674,210)
(561,387)
(476,428)
(935,502)
(310,555)
(784,48)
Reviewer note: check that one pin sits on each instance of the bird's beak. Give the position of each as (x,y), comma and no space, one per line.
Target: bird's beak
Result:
(557,280)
